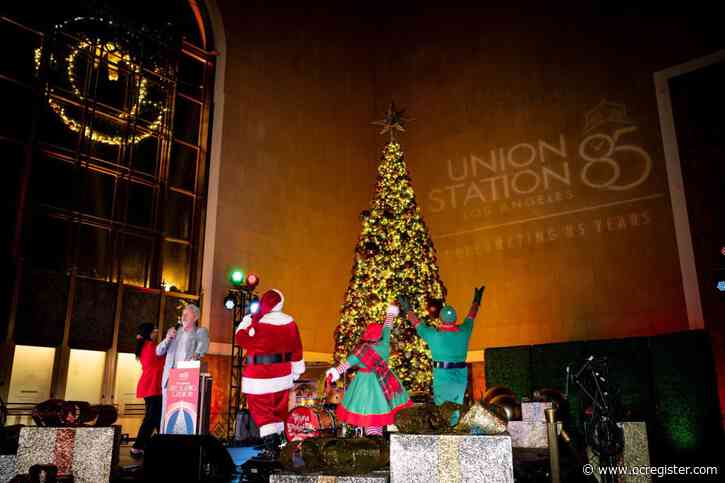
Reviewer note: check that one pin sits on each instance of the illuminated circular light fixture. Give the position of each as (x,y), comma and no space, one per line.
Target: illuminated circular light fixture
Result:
(236,277)
(254,305)
(229,302)
(721,285)
(252,281)
(722,250)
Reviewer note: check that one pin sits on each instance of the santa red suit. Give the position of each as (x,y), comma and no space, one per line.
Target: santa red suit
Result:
(272,363)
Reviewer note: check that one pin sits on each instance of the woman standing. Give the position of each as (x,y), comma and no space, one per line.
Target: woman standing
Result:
(149,385)
(376,395)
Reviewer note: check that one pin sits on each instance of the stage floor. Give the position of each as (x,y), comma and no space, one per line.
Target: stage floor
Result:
(529,465)
(131,465)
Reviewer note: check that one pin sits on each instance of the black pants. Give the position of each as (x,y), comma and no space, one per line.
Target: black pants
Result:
(151,421)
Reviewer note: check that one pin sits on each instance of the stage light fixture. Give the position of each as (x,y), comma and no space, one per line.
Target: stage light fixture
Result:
(254,304)
(252,281)
(229,302)
(721,285)
(722,250)
(237,276)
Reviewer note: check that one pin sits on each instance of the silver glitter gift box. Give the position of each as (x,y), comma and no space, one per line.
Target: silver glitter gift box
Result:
(534,411)
(86,453)
(636,452)
(7,467)
(528,434)
(375,477)
(418,458)
(636,444)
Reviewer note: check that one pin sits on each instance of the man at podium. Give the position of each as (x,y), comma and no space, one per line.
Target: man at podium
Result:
(185,343)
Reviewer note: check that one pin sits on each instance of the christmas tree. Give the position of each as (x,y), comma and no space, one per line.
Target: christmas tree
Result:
(394,257)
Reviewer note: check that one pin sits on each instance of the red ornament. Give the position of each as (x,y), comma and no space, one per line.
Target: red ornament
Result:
(434,308)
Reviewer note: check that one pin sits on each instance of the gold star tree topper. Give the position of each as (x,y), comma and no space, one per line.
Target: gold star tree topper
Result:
(393,121)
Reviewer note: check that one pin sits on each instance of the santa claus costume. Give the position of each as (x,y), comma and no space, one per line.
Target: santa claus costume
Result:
(272,363)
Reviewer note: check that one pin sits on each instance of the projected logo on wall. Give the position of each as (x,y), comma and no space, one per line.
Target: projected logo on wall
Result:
(548,179)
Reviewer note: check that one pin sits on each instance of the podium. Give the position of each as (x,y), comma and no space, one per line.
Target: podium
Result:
(187,405)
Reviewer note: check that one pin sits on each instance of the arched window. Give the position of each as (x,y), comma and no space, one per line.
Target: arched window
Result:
(104,142)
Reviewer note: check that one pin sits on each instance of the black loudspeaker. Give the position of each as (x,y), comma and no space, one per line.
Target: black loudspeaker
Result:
(173,457)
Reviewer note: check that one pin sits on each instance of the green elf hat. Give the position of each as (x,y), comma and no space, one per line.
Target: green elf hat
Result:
(448,314)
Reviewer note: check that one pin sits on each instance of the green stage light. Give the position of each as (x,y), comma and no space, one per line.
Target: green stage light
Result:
(237,277)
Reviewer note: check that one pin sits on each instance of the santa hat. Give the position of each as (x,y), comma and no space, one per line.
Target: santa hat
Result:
(373,333)
(272,301)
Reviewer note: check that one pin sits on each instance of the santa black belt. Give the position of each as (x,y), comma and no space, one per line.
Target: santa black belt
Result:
(268,358)
(448,365)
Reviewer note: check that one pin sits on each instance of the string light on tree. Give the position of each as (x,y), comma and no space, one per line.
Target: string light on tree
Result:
(394,257)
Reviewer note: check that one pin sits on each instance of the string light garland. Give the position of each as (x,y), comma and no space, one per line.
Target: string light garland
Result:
(115,58)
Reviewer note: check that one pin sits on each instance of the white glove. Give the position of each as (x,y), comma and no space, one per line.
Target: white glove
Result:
(393,310)
(332,374)
(244,325)
(298,368)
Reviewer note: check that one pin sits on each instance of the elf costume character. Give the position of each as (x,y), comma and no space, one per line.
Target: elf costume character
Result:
(272,363)
(375,395)
(449,347)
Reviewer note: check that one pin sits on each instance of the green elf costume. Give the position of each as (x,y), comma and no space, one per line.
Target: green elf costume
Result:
(375,395)
(449,347)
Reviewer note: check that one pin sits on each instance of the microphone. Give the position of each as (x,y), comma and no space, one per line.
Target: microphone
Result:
(177,326)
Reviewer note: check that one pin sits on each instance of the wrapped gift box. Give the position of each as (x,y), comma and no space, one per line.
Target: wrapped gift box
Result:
(86,453)
(528,434)
(636,445)
(418,458)
(636,451)
(534,411)
(7,467)
(375,477)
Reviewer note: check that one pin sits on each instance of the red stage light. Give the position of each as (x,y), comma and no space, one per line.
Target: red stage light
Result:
(252,280)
